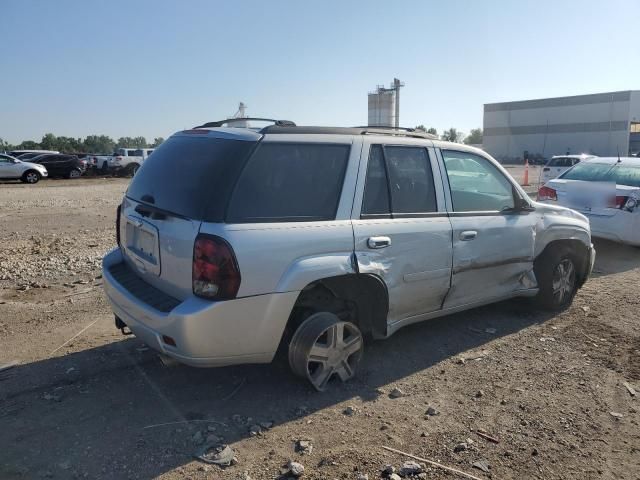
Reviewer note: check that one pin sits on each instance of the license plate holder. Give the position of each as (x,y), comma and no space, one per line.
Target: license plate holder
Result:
(142,245)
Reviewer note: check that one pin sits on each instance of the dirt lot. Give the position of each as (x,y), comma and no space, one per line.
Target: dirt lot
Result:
(86,402)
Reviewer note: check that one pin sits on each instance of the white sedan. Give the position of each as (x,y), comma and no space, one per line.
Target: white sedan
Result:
(12,168)
(604,189)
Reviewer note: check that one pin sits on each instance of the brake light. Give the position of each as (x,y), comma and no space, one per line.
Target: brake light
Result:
(118,210)
(547,193)
(626,203)
(216,275)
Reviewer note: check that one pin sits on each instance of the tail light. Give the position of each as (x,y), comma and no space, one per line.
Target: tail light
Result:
(216,275)
(118,210)
(626,203)
(117,159)
(547,193)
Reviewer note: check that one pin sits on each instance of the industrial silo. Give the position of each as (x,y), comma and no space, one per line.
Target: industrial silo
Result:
(384,105)
(382,108)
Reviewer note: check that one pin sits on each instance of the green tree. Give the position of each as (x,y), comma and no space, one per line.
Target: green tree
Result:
(452,135)
(99,144)
(156,142)
(129,142)
(49,142)
(5,146)
(474,137)
(28,145)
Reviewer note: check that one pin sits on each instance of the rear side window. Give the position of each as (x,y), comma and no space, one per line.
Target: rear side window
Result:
(288,182)
(407,177)
(191,176)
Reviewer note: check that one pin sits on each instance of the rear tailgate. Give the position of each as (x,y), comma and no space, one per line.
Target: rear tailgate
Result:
(159,248)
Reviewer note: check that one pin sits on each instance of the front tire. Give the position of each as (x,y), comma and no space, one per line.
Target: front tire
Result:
(324,348)
(31,176)
(557,274)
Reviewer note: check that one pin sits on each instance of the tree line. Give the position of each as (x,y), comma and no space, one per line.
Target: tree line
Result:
(453,135)
(89,144)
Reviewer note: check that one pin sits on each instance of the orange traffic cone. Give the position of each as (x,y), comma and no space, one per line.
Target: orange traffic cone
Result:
(525,180)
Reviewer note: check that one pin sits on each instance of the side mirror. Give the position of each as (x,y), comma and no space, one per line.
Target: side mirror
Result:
(522,205)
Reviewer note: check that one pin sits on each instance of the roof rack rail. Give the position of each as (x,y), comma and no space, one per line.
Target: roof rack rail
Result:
(220,123)
(400,131)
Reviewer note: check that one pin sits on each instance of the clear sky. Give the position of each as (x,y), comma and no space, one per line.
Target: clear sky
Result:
(151,67)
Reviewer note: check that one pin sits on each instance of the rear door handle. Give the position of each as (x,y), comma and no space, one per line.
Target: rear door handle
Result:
(378,242)
(468,235)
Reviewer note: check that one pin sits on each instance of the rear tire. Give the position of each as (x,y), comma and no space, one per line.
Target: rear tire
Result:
(132,169)
(75,173)
(557,275)
(31,176)
(325,347)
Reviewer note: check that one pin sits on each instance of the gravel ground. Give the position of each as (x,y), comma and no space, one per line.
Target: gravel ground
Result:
(86,402)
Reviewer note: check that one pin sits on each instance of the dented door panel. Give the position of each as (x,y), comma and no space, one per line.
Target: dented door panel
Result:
(416,266)
(498,261)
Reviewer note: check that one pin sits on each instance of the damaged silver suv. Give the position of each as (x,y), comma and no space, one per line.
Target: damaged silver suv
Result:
(234,243)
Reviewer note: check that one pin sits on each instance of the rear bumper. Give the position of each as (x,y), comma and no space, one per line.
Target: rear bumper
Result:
(206,334)
(623,227)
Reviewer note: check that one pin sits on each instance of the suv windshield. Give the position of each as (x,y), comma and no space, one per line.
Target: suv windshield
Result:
(190,176)
(602,172)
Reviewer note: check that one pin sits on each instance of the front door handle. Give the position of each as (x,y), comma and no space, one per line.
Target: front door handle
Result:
(378,242)
(468,235)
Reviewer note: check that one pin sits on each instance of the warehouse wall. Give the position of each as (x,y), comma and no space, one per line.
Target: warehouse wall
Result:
(595,124)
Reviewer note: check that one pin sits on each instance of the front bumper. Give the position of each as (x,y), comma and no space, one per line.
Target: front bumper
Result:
(206,334)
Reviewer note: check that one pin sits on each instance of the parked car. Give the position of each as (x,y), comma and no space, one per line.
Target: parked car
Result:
(124,161)
(60,165)
(22,154)
(606,191)
(11,167)
(234,242)
(560,164)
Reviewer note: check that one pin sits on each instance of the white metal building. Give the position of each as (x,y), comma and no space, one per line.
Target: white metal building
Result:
(601,124)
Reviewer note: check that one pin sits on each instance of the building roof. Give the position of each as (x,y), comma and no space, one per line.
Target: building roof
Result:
(607,97)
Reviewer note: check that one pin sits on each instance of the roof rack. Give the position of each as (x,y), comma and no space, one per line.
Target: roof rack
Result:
(228,121)
(400,131)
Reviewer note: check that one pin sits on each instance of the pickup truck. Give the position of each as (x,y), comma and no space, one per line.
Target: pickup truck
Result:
(124,161)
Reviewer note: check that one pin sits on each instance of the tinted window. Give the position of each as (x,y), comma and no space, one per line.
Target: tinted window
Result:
(191,176)
(476,184)
(289,182)
(376,189)
(411,180)
(134,153)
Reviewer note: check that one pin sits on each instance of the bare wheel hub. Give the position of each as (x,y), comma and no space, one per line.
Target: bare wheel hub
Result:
(323,348)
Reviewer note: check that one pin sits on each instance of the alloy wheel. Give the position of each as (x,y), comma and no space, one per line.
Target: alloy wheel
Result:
(325,348)
(564,280)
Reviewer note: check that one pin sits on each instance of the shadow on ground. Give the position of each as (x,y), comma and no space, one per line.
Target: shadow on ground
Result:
(85,413)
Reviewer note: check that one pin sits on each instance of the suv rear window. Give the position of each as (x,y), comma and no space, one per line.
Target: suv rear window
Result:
(289,182)
(191,176)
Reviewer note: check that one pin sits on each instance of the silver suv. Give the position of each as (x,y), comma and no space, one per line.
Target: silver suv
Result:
(237,243)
